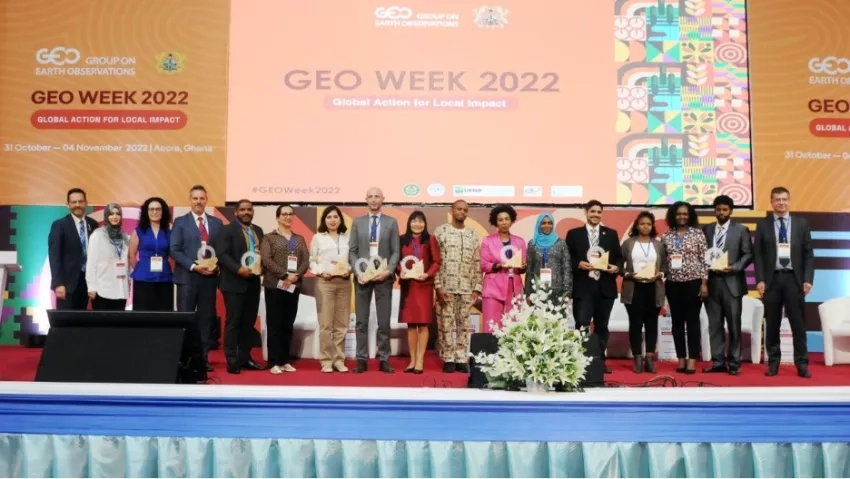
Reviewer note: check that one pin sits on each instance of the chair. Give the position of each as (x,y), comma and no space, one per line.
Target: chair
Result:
(752,318)
(835,325)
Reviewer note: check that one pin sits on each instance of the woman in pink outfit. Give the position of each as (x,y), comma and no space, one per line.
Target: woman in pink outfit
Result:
(501,283)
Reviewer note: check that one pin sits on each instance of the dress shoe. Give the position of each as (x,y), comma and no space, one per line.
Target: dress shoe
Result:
(734,371)
(418,371)
(649,365)
(449,367)
(607,370)
(252,365)
(361,366)
(409,369)
(385,367)
(715,368)
(233,370)
(772,371)
(462,368)
(638,367)
(804,373)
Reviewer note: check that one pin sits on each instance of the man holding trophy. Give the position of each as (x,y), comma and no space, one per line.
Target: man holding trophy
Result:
(374,253)
(598,260)
(238,247)
(729,253)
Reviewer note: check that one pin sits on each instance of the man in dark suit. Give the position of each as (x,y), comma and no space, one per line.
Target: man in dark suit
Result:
(196,284)
(240,285)
(784,274)
(374,235)
(67,246)
(727,287)
(594,291)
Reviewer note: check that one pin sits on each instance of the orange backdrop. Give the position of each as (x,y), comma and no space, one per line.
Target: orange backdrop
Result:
(126,99)
(800,76)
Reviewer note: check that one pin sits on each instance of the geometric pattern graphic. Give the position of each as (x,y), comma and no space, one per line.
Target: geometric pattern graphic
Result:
(683,101)
(25,229)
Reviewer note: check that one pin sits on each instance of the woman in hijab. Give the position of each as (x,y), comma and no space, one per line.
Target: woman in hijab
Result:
(107,269)
(548,262)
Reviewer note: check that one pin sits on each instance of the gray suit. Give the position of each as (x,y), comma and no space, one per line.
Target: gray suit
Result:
(726,292)
(388,248)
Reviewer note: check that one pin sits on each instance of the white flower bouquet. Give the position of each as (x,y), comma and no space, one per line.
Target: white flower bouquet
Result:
(538,346)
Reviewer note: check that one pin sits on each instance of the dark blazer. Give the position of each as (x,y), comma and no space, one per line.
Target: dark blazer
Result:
(66,253)
(740,249)
(229,246)
(629,269)
(802,254)
(185,243)
(578,244)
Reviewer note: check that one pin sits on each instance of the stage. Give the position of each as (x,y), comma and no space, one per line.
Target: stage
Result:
(103,430)
(20,364)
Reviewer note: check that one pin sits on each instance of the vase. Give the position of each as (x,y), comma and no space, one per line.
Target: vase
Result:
(535,387)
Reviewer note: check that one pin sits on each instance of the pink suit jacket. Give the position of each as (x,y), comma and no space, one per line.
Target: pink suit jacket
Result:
(495,284)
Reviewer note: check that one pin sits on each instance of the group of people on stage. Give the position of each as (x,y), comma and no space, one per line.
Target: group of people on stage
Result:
(441,272)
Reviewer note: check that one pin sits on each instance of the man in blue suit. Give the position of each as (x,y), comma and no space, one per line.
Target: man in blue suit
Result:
(196,284)
(67,247)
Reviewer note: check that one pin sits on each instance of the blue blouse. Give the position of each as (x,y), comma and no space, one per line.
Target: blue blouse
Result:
(149,246)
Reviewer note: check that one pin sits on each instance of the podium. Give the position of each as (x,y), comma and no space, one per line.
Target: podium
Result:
(8,264)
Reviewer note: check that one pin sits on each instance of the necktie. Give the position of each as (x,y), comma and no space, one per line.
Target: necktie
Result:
(783,238)
(373,233)
(83,243)
(594,242)
(720,239)
(252,244)
(203,229)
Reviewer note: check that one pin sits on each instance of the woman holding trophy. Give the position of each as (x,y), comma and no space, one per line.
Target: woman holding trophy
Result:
(419,265)
(549,262)
(643,288)
(329,262)
(503,261)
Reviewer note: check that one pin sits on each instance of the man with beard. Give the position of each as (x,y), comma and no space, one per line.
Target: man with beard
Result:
(67,246)
(458,285)
(238,247)
(726,287)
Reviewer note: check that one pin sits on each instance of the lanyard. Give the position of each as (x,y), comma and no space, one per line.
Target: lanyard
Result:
(545,256)
(678,240)
(417,248)
(645,251)
(119,248)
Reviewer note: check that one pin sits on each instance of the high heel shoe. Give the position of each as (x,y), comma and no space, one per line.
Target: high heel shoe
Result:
(418,371)
(409,369)
(649,365)
(682,367)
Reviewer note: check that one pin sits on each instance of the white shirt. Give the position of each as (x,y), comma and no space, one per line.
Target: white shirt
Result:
(101,267)
(325,248)
(642,255)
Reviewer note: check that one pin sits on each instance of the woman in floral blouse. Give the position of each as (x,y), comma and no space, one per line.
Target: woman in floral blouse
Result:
(687,276)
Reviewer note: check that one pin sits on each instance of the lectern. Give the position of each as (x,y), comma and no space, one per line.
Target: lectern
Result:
(8,264)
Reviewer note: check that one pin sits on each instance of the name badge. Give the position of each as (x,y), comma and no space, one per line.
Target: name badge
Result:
(675,261)
(784,251)
(156,264)
(373,249)
(292,263)
(282,286)
(546,275)
(120,270)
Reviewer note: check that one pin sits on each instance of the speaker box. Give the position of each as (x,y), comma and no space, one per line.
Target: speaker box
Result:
(122,347)
(489,344)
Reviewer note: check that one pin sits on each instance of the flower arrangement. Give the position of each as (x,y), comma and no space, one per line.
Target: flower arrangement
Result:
(537,346)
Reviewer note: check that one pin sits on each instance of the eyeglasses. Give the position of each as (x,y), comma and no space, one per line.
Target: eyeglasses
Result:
(154,210)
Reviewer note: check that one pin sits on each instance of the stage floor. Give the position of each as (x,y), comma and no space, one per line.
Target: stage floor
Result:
(20,364)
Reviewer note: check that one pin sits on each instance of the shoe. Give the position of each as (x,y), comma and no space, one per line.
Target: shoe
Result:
(638,367)
(418,371)
(804,373)
(386,368)
(327,369)
(734,372)
(409,369)
(449,367)
(252,365)
(341,367)
(716,368)
(276,370)
(649,365)
(288,368)
(607,370)
(361,366)
(462,368)
(681,368)
(210,368)
(690,371)
(772,370)
(233,370)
